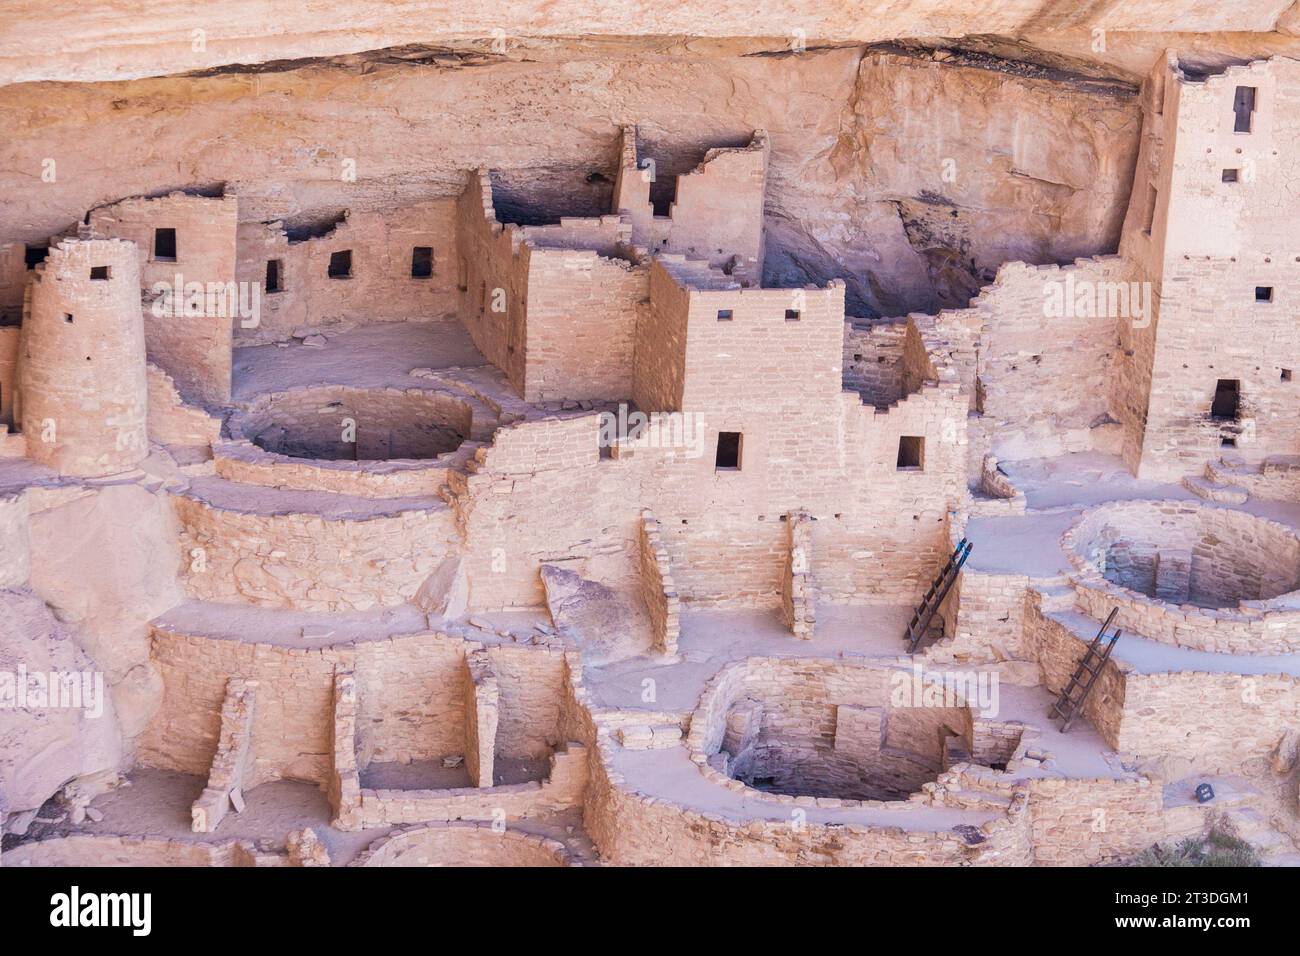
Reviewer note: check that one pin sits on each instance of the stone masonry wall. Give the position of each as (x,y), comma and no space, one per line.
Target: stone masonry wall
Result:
(195,350)
(306,562)
(381,287)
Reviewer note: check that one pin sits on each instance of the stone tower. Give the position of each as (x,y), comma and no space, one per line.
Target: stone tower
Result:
(82,357)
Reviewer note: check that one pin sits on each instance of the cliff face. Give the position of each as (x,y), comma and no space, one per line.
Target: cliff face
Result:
(123,40)
(909,176)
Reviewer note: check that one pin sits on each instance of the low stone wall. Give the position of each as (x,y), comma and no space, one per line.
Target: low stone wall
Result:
(798,593)
(634,828)
(307,562)
(171,421)
(230,765)
(562,790)
(111,850)
(1075,822)
(482,710)
(465,844)
(658,589)
(1222,722)
(984,616)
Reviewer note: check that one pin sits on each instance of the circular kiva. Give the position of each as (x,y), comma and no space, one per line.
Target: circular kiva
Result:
(339,423)
(465,844)
(784,728)
(1199,576)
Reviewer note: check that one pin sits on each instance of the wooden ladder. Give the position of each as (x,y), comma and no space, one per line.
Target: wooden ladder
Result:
(943,583)
(1094,659)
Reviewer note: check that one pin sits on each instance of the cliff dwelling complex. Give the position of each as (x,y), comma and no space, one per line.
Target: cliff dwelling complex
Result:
(670,435)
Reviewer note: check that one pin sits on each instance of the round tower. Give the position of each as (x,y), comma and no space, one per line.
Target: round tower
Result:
(82,380)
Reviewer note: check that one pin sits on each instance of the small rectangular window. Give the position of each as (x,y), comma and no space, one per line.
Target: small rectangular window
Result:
(724,315)
(728,456)
(792,315)
(274,275)
(1263,293)
(421,262)
(1230,175)
(67,317)
(35,255)
(1243,105)
(100,273)
(911,453)
(164,245)
(341,264)
(1286,375)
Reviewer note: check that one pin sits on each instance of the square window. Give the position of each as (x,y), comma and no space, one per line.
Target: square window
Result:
(421,262)
(67,317)
(100,273)
(724,315)
(1263,293)
(274,276)
(911,453)
(341,264)
(792,315)
(164,245)
(728,457)
(1230,175)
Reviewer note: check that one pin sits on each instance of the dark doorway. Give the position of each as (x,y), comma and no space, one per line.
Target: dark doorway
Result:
(421,262)
(1227,400)
(728,458)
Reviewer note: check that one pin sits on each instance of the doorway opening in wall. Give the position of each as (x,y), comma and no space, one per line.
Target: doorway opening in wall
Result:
(1243,105)
(911,453)
(274,275)
(341,264)
(422,262)
(100,273)
(663,193)
(164,245)
(1263,293)
(35,255)
(1227,400)
(728,456)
